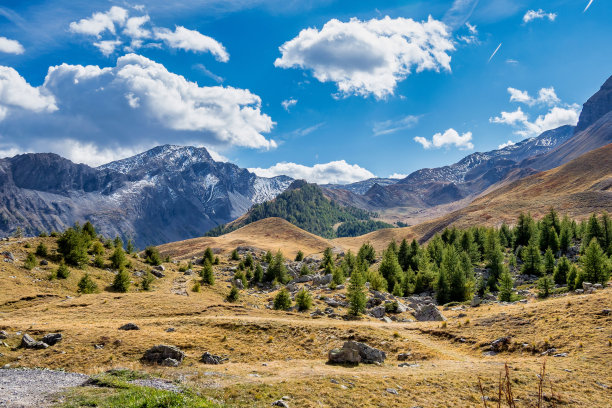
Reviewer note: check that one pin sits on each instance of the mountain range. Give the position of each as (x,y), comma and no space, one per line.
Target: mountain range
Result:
(172,193)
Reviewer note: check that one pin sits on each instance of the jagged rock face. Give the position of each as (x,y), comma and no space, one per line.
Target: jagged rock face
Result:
(596,107)
(166,194)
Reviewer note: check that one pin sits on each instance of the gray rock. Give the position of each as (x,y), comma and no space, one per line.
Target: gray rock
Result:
(391,391)
(208,358)
(129,326)
(367,353)
(344,356)
(29,342)
(476,301)
(238,284)
(160,268)
(378,312)
(44,262)
(157,273)
(170,362)
(429,313)
(404,356)
(52,338)
(159,353)
(500,344)
(3,335)
(170,330)
(320,280)
(280,403)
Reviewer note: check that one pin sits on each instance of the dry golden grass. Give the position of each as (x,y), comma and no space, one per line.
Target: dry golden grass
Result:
(270,234)
(274,353)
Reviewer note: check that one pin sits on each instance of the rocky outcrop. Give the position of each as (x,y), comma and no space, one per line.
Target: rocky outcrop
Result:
(164,355)
(428,313)
(597,106)
(354,352)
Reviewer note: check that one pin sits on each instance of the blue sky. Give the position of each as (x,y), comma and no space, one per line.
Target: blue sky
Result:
(333,91)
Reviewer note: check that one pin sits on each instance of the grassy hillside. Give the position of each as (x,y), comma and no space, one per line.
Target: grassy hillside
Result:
(305,206)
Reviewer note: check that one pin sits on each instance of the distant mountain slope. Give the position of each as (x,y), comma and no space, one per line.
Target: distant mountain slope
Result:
(305,206)
(361,187)
(470,176)
(577,188)
(166,194)
(269,234)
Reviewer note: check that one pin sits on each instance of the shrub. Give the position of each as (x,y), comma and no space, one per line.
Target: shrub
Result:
(208,256)
(207,274)
(130,247)
(152,256)
(118,259)
(392,307)
(122,281)
(258,274)
(235,256)
(30,262)
(97,248)
(305,270)
(303,300)
(233,295)
(545,286)
(338,276)
(41,250)
(73,246)
(300,256)
(98,261)
(217,261)
(377,282)
(196,287)
(87,285)
(561,271)
(239,275)
(248,261)
(282,300)
(62,271)
(505,287)
(147,280)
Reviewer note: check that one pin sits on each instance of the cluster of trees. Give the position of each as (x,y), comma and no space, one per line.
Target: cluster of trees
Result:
(306,206)
(446,264)
(354,228)
(80,246)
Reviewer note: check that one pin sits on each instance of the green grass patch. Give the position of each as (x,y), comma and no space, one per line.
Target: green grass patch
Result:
(113,390)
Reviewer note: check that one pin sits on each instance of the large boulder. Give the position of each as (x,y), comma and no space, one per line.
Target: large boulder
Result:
(344,356)
(367,353)
(378,312)
(52,338)
(208,358)
(158,354)
(129,326)
(320,280)
(429,313)
(29,342)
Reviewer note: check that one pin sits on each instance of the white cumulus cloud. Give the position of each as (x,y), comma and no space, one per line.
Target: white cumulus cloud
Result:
(17,94)
(137,100)
(398,176)
(10,46)
(100,22)
(540,14)
(191,40)
(369,57)
(335,172)
(546,96)
(449,138)
(288,103)
(508,143)
(554,118)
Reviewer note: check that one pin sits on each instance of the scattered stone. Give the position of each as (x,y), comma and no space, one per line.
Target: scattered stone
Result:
(170,330)
(387,320)
(280,403)
(429,313)
(159,353)
(170,362)
(129,326)
(160,268)
(489,353)
(98,346)
(44,262)
(52,338)
(378,312)
(500,344)
(3,335)
(476,301)
(208,358)
(408,365)
(560,355)
(158,273)
(320,280)
(29,342)
(391,391)
(404,356)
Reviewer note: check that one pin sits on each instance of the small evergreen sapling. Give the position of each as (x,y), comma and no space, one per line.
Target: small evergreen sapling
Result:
(282,300)
(303,300)
(121,283)
(87,285)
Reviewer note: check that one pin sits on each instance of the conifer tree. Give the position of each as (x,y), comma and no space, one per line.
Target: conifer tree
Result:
(258,274)
(390,269)
(130,247)
(300,256)
(122,281)
(532,261)
(594,264)
(442,287)
(234,256)
(505,287)
(62,271)
(549,261)
(356,292)
(207,274)
(282,300)
(86,285)
(404,255)
(545,286)
(561,271)
(457,281)
(367,253)
(593,230)
(30,262)
(524,230)
(572,276)
(565,239)
(118,259)
(303,300)
(208,256)
(41,250)
(338,276)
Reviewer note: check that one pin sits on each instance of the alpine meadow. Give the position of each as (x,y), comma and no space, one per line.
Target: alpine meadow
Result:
(327,203)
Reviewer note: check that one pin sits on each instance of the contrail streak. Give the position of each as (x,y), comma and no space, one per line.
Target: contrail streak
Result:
(495,52)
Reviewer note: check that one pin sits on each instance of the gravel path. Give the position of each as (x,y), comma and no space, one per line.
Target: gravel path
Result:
(21,388)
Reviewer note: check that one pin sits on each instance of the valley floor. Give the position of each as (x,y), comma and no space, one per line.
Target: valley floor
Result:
(283,354)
